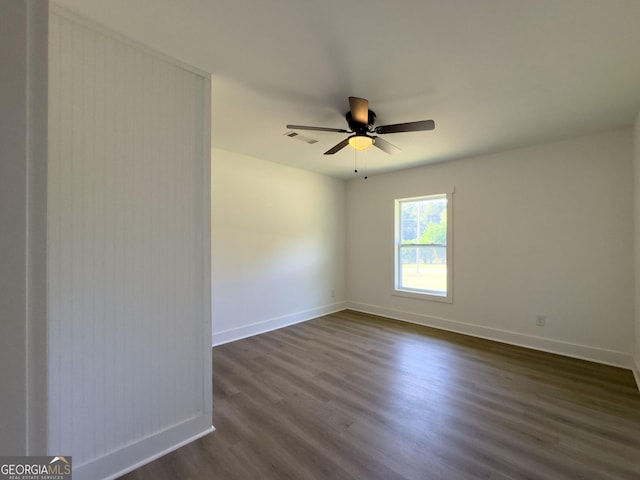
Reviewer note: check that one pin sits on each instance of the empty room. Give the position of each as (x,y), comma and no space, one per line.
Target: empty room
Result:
(309,240)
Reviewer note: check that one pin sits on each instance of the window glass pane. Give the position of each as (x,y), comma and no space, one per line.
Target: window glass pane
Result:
(424,221)
(424,268)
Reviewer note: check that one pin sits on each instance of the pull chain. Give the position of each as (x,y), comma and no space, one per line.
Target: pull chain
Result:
(355,163)
(366,169)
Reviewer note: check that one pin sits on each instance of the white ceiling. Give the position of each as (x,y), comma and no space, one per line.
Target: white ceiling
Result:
(493,74)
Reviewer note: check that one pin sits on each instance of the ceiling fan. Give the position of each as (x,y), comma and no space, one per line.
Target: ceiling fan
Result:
(360,120)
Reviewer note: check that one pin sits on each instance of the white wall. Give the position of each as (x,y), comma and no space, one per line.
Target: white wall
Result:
(129,251)
(278,245)
(540,230)
(636,216)
(23,157)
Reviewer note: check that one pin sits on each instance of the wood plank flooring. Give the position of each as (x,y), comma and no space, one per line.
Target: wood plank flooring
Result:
(355,396)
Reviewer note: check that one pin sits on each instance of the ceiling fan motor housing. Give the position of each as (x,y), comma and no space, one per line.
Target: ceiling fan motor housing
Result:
(360,128)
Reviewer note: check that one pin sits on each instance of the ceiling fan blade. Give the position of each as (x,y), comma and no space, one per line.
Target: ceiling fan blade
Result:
(338,147)
(318,129)
(407,127)
(385,146)
(359,110)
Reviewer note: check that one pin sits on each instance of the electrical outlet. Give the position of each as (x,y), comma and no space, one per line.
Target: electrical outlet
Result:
(541,320)
(333,293)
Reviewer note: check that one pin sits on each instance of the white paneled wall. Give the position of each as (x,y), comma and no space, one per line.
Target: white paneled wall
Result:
(129,268)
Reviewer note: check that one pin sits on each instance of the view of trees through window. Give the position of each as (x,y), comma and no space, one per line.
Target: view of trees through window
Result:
(422,254)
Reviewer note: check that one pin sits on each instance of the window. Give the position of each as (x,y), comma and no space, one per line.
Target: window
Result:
(423,247)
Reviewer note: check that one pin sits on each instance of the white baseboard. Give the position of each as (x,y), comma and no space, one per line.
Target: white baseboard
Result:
(267,325)
(130,457)
(584,352)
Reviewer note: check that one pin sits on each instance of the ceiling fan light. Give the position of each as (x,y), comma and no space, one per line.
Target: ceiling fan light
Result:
(361,142)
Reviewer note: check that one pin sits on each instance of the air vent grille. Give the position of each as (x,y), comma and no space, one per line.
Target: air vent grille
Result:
(302,138)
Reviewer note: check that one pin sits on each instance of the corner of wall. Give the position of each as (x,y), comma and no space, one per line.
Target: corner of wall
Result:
(636,244)
(23,135)
(264,326)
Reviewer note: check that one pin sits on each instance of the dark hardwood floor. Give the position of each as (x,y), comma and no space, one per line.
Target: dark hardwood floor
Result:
(355,396)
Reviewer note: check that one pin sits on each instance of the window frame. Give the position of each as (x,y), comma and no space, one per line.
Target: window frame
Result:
(429,295)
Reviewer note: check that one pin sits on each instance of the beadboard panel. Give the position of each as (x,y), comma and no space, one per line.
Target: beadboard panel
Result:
(128,244)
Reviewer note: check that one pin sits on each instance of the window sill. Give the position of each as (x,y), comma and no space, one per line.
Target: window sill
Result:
(422,296)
